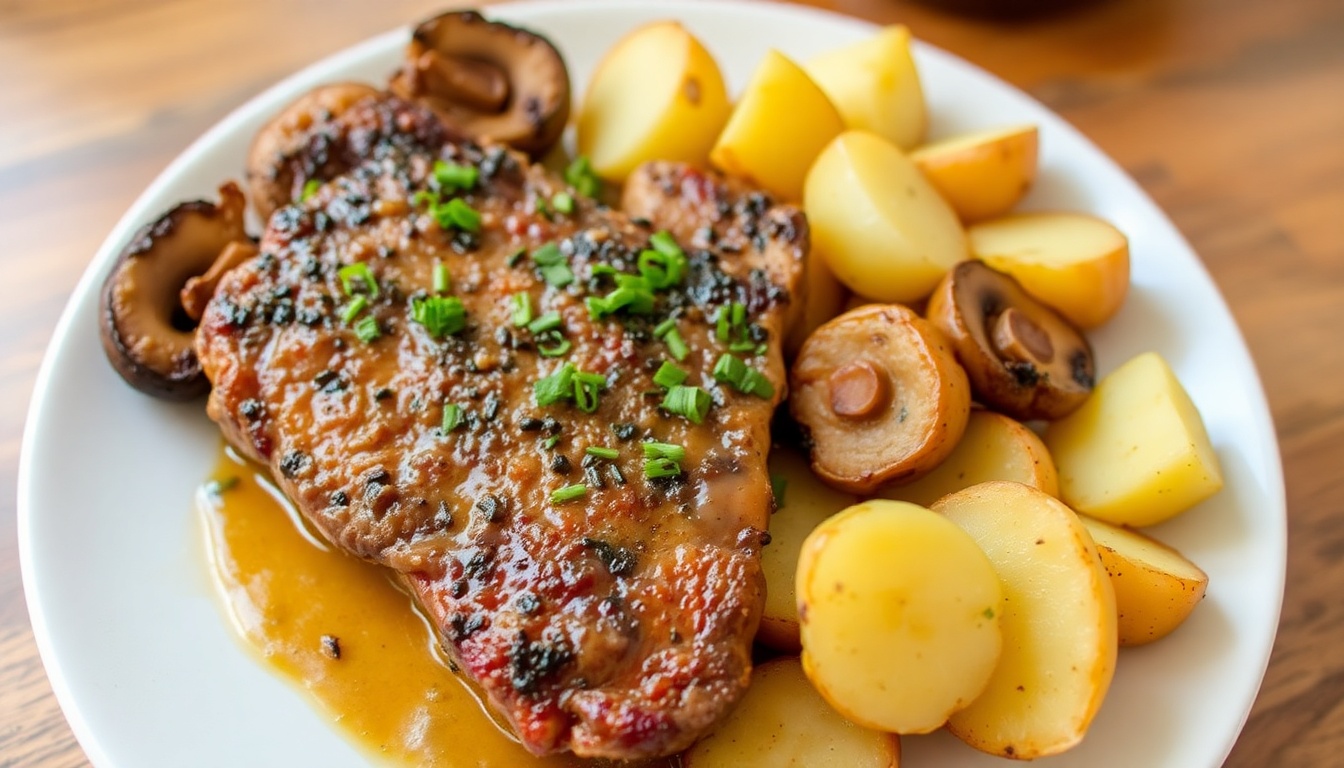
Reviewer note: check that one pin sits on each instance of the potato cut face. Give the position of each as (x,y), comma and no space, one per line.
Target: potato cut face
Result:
(1058,618)
(778,127)
(883,229)
(993,447)
(783,721)
(982,174)
(657,95)
(875,85)
(900,616)
(1136,452)
(1156,587)
(1076,263)
(807,503)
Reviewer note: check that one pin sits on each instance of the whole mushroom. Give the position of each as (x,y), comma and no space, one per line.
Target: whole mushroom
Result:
(146,331)
(488,80)
(1023,359)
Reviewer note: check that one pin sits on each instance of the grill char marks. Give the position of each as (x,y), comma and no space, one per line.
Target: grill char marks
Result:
(616,624)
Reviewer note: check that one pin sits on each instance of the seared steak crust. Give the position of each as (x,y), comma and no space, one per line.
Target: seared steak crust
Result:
(618,623)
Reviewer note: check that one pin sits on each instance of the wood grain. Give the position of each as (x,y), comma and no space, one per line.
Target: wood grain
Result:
(1230,113)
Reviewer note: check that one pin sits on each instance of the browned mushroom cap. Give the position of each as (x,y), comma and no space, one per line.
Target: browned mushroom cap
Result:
(1022,357)
(488,80)
(880,395)
(145,331)
(274,177)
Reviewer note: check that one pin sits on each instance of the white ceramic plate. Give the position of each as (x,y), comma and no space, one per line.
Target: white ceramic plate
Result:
(146,667)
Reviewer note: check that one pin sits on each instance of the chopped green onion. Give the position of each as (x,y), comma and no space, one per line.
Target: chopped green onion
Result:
(353,309)
(755,383)
(548,255)
(442,280)
(366,330)
(453,177)
(581,177)
(602,452)
(669,375)
(556,387)
(553,344)
(554,266)
(721,325)
(456,213)
(522,308)
(452,416)
(778,484)
(569,493)
(310,188)
(665,327)
(664,451)
(663,242)
(603,270)
(730,369)
(653,266)
(547,322)
(690,402)
(559,275)
(441,315)
(587,387)
(742,346)
(739,318)
(675,345)
(358,272)
(661,467)
(562,202)
(550,442)
(515,257)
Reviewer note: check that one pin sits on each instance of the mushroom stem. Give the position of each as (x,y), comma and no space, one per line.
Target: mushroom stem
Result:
(859,390)
(478,85)
(1018,338)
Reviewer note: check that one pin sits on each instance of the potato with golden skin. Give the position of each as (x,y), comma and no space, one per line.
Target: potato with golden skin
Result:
(981,174)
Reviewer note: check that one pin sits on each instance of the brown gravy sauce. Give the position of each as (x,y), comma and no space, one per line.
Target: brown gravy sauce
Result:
(341,631)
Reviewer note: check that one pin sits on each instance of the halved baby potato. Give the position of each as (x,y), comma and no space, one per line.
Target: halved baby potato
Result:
(1156,587)
(880,395)
(783,721)
(1058,618)
(900,615)
(982,174)
(656,95)
(778,127)
(875,85)
(1074,262)
(807,502)
(994,447)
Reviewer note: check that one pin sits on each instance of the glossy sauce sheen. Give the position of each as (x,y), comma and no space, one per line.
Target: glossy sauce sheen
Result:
(390,690)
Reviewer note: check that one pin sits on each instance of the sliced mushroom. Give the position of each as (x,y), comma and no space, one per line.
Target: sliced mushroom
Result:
(279,162)
(146,332)
(488,80)
(880,396)
(1022,357)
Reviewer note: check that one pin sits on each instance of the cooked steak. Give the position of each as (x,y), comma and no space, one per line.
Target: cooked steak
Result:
(451,363)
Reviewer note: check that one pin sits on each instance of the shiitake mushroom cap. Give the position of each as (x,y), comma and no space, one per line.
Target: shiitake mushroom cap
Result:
(145,332)
(1022,357)
(879,396)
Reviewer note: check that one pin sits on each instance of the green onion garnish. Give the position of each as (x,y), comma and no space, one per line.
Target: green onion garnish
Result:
(547,322)
(310,188)
(668,375)
(675,345)
(366,330)
(452,416)
(662,467)
(664,451)
(456,213)
(556,387)
(744,378)
(454,177)
(353,309)
(743,346)
(553,265)
(522,308)
(442,280)
(690,402)
(562,202)
(755,383)
(359,272)
(721,325)
(665,327)
(602,452)
(550,442)
(663,242)
(587,387)
(441,315)
(553,345)
(581,177)
(569,493)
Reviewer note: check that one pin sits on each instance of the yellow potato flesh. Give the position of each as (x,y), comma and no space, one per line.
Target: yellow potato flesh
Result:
(1135,452)
(1058,619)
(875,85)
(657,95)
(807,503)
(1156,588)
(993,447)
(984,174)
(783,721)
(899,614)
(1076,263)
(882,228)
(781,123)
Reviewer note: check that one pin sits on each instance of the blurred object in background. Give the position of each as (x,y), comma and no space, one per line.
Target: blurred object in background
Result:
(1007,9)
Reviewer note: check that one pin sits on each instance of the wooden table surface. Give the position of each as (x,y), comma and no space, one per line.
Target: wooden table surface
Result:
(1230,113)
